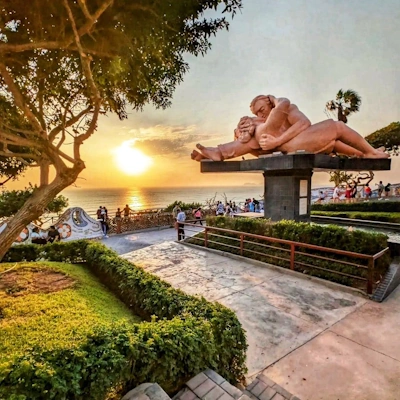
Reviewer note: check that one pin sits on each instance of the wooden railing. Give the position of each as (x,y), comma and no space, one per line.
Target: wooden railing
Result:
(293,250)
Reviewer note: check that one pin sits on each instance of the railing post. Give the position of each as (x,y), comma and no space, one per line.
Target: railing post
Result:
(370,275)
(241,244)
(205,237)
(292,251)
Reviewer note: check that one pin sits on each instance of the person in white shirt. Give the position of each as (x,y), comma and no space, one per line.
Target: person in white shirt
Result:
(336,194)
(180,218)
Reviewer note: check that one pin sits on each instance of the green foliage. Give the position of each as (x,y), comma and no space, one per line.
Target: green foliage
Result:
(388,137)
(369,216)
(330,236)
(368,206)
(11,201)
(183,336)
(346,103)
(182,205)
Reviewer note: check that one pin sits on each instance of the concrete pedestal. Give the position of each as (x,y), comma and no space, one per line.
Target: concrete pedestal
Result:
(287,194)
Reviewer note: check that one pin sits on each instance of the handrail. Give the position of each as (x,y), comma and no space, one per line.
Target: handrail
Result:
(241,236)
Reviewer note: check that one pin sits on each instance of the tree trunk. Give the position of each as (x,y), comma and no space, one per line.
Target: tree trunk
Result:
(35,207)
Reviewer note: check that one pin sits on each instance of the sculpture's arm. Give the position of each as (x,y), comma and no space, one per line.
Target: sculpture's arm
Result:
(299,123)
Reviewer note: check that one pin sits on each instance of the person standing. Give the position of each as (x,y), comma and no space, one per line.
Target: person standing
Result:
(380,189)
(103,221)
(127,212)
(180,219)
(175,210)
(336,194)
(220,209)
(118,220)
(367,191)
(387,190)
(198,214)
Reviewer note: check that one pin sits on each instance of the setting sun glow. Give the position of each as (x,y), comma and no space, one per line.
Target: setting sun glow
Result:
(130,160)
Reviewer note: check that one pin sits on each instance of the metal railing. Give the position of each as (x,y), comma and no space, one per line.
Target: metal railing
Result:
(296,252)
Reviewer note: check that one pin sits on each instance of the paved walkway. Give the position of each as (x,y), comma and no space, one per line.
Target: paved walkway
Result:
(316,342)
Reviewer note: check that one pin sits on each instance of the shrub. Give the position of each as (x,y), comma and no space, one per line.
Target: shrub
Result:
(191,334)
(183,206)
(368,206)
(326,236)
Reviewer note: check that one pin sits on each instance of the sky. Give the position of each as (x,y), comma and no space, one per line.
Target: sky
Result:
(304,50)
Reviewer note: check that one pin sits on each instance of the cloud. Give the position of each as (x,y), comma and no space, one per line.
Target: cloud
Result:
(163,140)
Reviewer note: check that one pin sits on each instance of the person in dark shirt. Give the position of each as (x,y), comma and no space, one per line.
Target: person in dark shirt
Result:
(53,235)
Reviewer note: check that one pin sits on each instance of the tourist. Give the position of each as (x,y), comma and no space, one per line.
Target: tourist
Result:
(367,191)
(220,209)
(180,219)
(380,189)
(348,193)
(175,211)
(228,210)
(127,211)
(256,205)
(336,194)
(198,215)
(98,212)
(354,192)
(36,237)
(118,219)
(234,207)
(53,235)
(387,190)
(321,197)
(103,222)
(251,206)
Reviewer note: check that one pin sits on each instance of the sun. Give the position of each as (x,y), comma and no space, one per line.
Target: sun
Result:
(130,160)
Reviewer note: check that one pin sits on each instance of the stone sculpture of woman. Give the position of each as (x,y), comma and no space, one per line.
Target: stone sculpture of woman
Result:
(281,126)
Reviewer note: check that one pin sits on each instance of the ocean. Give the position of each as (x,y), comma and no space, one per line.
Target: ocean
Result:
(156,198)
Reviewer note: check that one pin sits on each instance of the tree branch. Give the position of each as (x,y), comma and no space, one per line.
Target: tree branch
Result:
(54,132)
(82,5)
(19,155)
(19,99)
(17,140)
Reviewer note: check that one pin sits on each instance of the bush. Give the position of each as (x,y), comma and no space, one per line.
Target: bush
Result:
(183,206)
(367,216)
(368,206)
(330,236)
(192,334)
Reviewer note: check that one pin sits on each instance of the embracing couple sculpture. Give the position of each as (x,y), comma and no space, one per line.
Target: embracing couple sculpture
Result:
(279,125)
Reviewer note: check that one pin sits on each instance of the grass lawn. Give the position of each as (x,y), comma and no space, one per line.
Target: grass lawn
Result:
(53,305)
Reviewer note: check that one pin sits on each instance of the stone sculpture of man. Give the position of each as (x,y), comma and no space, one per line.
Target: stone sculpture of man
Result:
(281,126)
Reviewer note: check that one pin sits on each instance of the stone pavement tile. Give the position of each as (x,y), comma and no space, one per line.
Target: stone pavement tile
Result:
(248,394)
(217,378)
(263,377)
(238,276)
(282,391)
(393,301)
(331,367)
(188,395)
(374,325)
(278,396)
(271,333)
(196,381)
(258,388)
(214,394)
(267,394)
(226,396)
(231,390)
(204,388)
(306,299)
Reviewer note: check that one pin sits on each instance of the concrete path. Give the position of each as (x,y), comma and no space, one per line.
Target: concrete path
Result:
(316,342)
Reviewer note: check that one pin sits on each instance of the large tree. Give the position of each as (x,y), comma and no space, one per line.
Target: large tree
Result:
(388,137)
(65,62)
(346,103)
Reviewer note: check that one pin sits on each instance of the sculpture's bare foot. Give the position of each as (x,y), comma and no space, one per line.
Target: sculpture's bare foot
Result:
(197,156)
(213,153)
(377,153)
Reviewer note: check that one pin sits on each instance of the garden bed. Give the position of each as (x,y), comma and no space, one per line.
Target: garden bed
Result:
(181,334)
(392,217)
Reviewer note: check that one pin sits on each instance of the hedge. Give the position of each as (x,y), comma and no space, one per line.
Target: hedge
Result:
(330,236)
(183,336)
(367,216)
(367,206)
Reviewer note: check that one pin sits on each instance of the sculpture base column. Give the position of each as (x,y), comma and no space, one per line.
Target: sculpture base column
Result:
(287,194)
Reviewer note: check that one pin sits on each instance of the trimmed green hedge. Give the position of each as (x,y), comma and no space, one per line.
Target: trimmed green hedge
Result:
(330,236)
(367,216)
(367,206)
(183,336)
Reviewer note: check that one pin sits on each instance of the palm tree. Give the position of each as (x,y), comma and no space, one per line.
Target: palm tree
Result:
(346,103)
